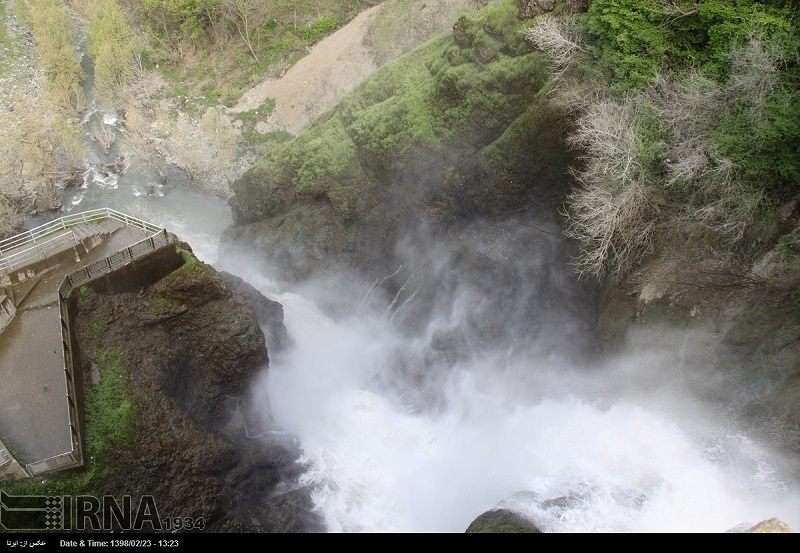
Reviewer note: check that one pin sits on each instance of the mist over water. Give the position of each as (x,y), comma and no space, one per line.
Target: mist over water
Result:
(400,433)
(574,448)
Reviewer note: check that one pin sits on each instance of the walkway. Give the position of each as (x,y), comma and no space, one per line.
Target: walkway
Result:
(34,421)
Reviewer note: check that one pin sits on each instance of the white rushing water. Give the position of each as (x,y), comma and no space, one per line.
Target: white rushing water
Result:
(570,461)
(573,450)
(542,444)
(114,180)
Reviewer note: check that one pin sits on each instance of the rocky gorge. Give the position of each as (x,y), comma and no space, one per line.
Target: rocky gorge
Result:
(461,147)
(433,196)
(438,185)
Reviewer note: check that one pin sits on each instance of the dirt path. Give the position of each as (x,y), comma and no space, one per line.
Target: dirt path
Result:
(318,81)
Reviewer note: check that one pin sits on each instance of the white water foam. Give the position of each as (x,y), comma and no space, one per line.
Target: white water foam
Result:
(623,462)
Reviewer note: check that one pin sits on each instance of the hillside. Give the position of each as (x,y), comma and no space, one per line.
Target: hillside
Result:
(470,138)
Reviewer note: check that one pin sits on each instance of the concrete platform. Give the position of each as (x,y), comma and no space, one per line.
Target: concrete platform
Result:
(34,421)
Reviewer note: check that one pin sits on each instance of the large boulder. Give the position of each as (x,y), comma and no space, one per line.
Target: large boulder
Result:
(502,521)
(191,344)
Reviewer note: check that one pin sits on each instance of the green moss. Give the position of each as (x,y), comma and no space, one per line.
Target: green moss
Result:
(190,265)
(160,303)
(501,22)
(321,157)
(418,103)
(260,113)
(276,137)
(38,306)
(96,329)
(112,412)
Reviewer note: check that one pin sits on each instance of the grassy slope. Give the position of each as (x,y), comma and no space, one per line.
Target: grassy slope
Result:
(448,93)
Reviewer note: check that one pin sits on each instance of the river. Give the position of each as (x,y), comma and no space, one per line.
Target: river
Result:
(605,449)
(570,457)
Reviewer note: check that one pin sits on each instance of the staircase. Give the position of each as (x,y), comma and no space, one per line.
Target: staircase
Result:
(72,241)
(91,234)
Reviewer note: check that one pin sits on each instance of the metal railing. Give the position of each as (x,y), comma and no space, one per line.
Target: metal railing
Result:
(159,238)
(36,244)
(10,469)
(41,250)
(111,262)
(80,277)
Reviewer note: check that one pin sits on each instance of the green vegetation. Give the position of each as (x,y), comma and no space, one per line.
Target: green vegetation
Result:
(43,133)
(252,117)
(688,118)
(97,328)
(112,412)
(113,47)
(387,39)
(417,103)
(221,46)
(38,306)
(190,265)
(160,304)
(7,45)
(55,35)
(745,52)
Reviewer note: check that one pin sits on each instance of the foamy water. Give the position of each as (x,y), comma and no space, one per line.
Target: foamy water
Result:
(569,462)
(573,452)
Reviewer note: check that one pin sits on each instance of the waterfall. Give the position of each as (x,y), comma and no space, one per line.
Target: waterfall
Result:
(611,448)
(398,435)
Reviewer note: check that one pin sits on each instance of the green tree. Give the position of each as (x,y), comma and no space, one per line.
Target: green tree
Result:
(113,47)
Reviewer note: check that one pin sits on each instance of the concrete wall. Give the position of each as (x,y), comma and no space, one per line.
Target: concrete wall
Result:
(9,468)
(7,311)
(139,273)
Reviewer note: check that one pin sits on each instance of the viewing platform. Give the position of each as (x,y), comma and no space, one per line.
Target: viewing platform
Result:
(39,423)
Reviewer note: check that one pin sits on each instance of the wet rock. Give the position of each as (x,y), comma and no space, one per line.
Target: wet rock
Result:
(269,313)
(191,345)
(502,521)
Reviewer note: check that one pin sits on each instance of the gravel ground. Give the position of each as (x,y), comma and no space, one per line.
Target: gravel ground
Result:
(18,73)
(318,81)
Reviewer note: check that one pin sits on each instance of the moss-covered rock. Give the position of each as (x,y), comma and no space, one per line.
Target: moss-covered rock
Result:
(502,521)
(438,136)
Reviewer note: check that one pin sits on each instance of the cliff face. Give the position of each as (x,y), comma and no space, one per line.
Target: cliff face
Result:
(446,170)
(437,138)
(190,344)
(439,177)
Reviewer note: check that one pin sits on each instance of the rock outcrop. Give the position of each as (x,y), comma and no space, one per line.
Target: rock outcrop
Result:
(191,345)
(454,132)
(416,180)
(532,8)
(502,521)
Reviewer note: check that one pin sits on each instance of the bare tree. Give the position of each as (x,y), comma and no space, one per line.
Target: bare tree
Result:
(103,135)
(613,214)
(754,74)
(222,143)
(139,139)
(10,219)
(557,38)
